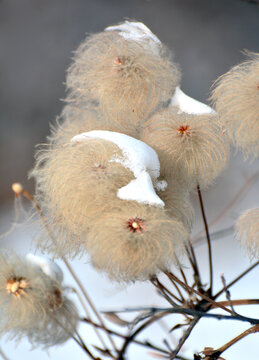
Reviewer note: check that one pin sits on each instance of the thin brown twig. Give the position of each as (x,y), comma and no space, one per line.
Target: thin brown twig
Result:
(131,337)
(79,341)
(89,317)
(214,354)
(236,279)
(205,297)
(230,205)
(3,355)
(112,332)
(183,275)
(88,299)
(178,290)
(185,337)
(207,237)
(163,290)
(236,302)
(192,258)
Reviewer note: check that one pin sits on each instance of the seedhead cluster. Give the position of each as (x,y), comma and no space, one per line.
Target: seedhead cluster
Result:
(113,182)
(101,198)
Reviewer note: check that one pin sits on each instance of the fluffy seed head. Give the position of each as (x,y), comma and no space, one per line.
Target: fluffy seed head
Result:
(76,119)
(58,326)
(26,295)
(130,241)
(236,99)
(73,183)
(128,80)
(190,147)
(247,232)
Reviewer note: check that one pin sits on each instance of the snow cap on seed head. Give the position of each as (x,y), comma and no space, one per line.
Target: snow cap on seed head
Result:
(140,158)
(137,31)
(187,104)
(50,268)
(126,78)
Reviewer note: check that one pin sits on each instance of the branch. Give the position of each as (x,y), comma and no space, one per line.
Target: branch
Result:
(208,239)
(214,354)
(191,312)
(184,337)
(236,279)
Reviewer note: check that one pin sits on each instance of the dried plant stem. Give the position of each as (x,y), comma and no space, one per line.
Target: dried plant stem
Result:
(208,239)
(112,332)
(237,302)
(203,296)
(186,334)
(183,275)
(88,299)
(179,291)
(2,354)
(236,279)
(30,197)
(131,337)
(192,258)
(214,354)
(164,290)
(79,341)
(86,348)
(249,182)
(89,317)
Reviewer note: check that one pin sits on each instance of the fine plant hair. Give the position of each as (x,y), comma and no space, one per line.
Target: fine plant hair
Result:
(128,80)
(177,201)
(25,295)
(236,99)
(57,327)
(75,120)
(74,182)
(247,232)
(192,148)
(128,253)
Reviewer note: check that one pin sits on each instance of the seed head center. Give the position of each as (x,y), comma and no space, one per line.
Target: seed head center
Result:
(16,286)
(120,60)
(184,130)
(136,225)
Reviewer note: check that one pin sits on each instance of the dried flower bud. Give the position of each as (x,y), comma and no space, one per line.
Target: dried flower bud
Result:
(192,148)
(17,188)
(236,98)
(130,241)
(247,231)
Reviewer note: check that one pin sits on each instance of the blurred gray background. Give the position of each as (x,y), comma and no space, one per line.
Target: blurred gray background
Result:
(37,38)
